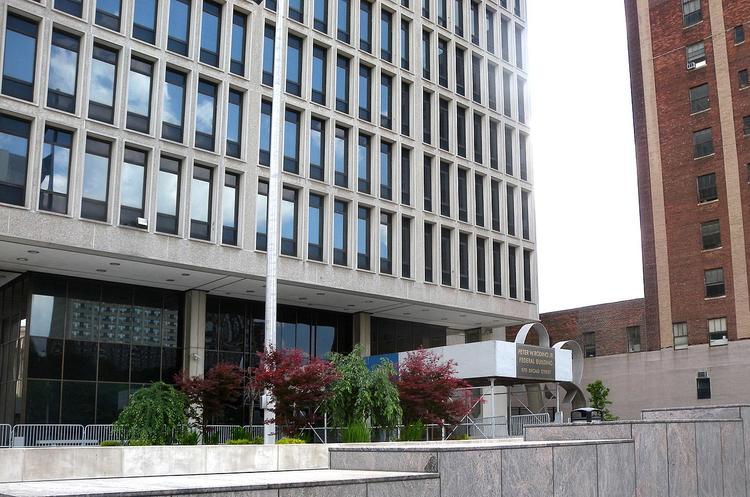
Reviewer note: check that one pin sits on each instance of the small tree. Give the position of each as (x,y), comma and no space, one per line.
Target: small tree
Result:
(427,385)
(154,414)
(600,399)
(212,394)
(297,384)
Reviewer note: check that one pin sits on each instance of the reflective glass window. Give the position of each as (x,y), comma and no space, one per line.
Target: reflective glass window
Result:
(63,74)
(19,59)
(53,194)
(200,203)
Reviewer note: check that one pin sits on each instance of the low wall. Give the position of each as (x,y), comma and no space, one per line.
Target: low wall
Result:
(66,463)
(731,411)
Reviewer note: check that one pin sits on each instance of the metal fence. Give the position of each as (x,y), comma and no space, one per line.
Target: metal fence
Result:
(219,434)
(518,422)
(38,435)
(6,432)
(100,433)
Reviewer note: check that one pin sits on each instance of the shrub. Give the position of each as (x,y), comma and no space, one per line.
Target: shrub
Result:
(357,432)
(290,441)
(187,437)
(240,434)
(462,436)
(138,442)
(211,439)
(600,399)
(209,396)
(154,413)
(413,432)
(239,441)
(111,443)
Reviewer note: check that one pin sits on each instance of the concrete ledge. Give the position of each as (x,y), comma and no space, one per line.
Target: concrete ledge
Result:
(730,411)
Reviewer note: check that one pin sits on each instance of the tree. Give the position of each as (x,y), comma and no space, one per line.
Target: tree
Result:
(212,394)
(427,385)
(298,385)
(154,414)
(600,399)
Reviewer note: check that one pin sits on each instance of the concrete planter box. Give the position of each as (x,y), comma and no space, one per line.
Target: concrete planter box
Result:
(65,463)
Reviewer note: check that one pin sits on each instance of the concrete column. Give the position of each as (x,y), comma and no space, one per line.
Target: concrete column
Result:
(497,334)
(362,332)
(195,332)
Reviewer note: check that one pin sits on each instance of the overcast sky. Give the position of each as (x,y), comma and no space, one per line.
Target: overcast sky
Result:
(588,231)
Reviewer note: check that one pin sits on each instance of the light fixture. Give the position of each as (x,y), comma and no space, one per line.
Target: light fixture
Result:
(21,259)
(114,263)
(170,280)
(249,291)
(101,270)
(32,251)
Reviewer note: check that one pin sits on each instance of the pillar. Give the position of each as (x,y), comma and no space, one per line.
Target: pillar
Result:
(363,333)
(195,332)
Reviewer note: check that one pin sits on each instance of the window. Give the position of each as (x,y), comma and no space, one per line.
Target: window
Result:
(509,150)
(426,8)
(405,176)
(458,17)
(428,266)
(444,128)
(205,115)
(291,141)
(229,209)
(363,164)
(492,86)
(427,184)
(703,386)
(703,144)
(445,189)
(427,117)
(525,224)
(289,222)
(386,171)
(521,94)
(72,7)
(405,45)
(495,193)
(139,95)
(365,26)
(691,12)
(634,338)
(695,54)
(132,188)
(490,15)
(461,130)
(405,247)
(53,194)
(178,35)
(63,74)
(405,109)
(717,331)
(168,196)
(463,209)
(519,47)
(102,84)
(261,217)
(442,14)
(445,256)
(739,34)
(317,148)
(144,20)
(264,146)
(95,180)
(19,60)
(210,33)
(320,15)
(463,261)
(478,142)
(497,258)
(173,111)
(511,206)
(507,90)
(589,344)
(386,243)
(386,35)
(707,188)
(744,80)
(341,152)
(343,22)
(269,34)
(386,104)
(319,74)
(746,125)
(108,14)
(512,267)
(342,84)
(426,54)
(363,238)
(527,292)
(297,10)
(294,65)
(460,72)
(443,62)
(505,38)
(234,124)
(479,199)
(522,162)
(340,229)
(239,30)
(476,78)
(14,157)
(680,335)
(315,228)
(714,282)
(474,22)
(200,203)
(710,235)
(481,271)
(365,89)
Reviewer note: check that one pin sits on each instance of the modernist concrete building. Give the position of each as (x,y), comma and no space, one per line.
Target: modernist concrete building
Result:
(134,145)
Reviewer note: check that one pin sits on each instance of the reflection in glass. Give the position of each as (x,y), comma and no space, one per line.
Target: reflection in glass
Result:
(144,20)
(108,14)
(55,167)
(340,223)
(205,115)
(289,222)
(234,124)
(210,32)
(19,57)
(14,150)
(168,196)
(261,216)
(230,201)
(63,74)
(200,203)
(132,186)
(179,26)
(95,180)
(102,84)
(315,228)
(173,106)
(239,27)
(139,95)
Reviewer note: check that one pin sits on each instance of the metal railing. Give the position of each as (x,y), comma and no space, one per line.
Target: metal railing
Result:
(6,432)
(219,434)
(38,435)
(100,433)
(254,430)
(518,422)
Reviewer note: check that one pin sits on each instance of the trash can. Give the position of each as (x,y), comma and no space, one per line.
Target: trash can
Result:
(585,415)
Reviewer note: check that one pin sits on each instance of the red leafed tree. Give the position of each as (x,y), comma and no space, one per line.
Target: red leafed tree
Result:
(212,394)
(427,388)
(298,385)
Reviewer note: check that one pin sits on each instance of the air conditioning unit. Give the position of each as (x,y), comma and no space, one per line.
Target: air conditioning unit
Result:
(690,66)
(703,373)
(142,222)
(700,64)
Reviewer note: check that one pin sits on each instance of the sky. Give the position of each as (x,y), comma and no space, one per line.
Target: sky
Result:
(587,224)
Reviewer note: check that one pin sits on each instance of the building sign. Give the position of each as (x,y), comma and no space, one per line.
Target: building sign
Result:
(535,363)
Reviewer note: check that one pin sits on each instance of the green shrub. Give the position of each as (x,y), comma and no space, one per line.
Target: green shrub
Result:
(462,436)
(256,440)
(290,441)
(211,439)
(154,413)
(239,441)
(187,437)
(111,443)
(356,432)
(138,442)
(240,434)
(413,432)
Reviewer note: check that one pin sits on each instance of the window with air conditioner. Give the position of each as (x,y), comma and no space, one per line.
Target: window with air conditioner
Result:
(680,335)
(696,55)
(717,331)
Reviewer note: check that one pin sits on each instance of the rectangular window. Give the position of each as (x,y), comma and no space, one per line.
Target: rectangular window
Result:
(317,148)
(743,79)
(144,20)
(205,116)
(405,176)
(320,15)
(72,7)
(512,268)
(703,144)
(494,145)
(269,34)
(173,107)
(386,35)
(365,26)
(168,196)
(19,59)
(521,94)
(264,146)
(63,74)
(178,34)
(405,45)
(460,72)
(509,150)
(479,199)
(717,331)
(634,338)
(476,78)
(427,184)
(445,189)
(475,23)
(739,34)
(522,161)
(428,250)
(261,217)
(386,104)
(426,54)
(139,95)
(461,131)
(343,25)
(289,222)
(680,335)
(365,92)
(511,206)
(386,171)
(490,17)
(230,209)
(527,288)
(492,85)
(210,33)
(427,117)
(14,157)
(714,282)
(132,188)
(525,211)
(699,98)
(443,62)
(458,17)
(497,261)
(444,128)
(463,260)
(363,164)
(589,344)
(405,109)
(294,65)
(481,266)
(507,94)
(200,203)
(239,35)
(341,152)
(315,228)
(405,247)
(319,74)
(707,188)
(108,14)
(363,238)
(297,10)
(710,235)
(463,195)
(426,8)
(342,84)
(519,47)
(53,188)
(505,38)
(495,192)
(695,55)
(102,84)
(386,243)
(478,141)
(95,180)
(445,257)
(340,230)
(291,141)
(234,124)
(442,13)
(691,12)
